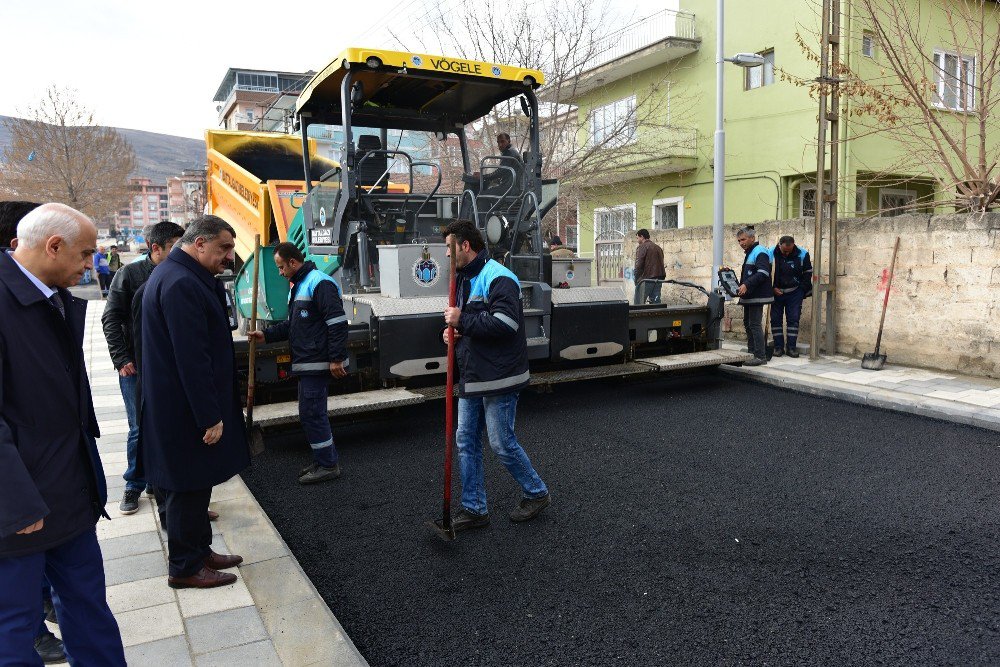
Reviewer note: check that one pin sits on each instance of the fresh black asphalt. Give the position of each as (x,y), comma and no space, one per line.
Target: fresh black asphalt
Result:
(699,520)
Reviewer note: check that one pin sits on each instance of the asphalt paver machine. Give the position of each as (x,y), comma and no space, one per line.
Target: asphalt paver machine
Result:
(371,213)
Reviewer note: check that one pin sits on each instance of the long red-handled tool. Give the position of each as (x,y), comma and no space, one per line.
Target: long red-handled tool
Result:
(874,361)
(443,527)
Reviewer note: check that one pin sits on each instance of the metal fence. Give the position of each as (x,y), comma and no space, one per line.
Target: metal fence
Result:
(642,33)
(610,259)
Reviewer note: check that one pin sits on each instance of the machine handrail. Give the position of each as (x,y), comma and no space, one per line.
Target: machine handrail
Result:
(433,192)
(387,153)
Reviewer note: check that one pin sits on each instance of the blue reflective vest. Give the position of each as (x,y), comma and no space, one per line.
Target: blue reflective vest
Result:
(756,276)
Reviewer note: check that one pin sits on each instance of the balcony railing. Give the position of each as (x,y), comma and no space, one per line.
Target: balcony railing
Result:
(645,32)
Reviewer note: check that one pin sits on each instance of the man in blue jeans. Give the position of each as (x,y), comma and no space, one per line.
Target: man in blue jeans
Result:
(316,329)
(492,355)
(118,330)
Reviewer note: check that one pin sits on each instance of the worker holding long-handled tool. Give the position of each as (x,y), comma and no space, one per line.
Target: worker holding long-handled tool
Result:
(315,314)
(492,357)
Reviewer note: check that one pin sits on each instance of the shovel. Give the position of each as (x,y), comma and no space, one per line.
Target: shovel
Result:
(874,361)
(443,528)
(255,434)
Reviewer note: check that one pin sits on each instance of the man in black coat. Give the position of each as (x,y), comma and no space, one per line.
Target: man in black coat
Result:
(52,487)
(117,322)
(192,435)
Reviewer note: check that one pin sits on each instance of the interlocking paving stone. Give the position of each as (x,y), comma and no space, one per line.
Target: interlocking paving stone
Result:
(224,629)
(130,545)
(145,625)
(134,568)
(171,652)
(140,594)
(260,654)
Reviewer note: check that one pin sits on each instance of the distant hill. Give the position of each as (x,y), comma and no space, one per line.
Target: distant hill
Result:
(158,156)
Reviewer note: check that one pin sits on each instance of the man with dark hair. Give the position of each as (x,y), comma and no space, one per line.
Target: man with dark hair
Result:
(792,284)
(492,355)
(52,487)
(193,434)
(754,292)
(316,328)
(10,213)
(558,250)
(648,266)
(117,321)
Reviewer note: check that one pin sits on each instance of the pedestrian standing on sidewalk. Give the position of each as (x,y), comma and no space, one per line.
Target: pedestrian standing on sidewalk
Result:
(492,355)
(49,647)
(114,263)
(192,434)
(792,284)
(117,322)
(648,266)
(754,292)
(316,329)
(103,270)
(52,488)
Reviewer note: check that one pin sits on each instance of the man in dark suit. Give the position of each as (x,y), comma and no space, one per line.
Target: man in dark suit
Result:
(192,434)
(52,487)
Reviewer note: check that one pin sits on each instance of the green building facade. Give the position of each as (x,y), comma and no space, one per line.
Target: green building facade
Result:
(770,122)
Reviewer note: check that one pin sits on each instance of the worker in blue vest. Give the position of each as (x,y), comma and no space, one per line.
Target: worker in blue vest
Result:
(754,291)
(792,284)
(316,328)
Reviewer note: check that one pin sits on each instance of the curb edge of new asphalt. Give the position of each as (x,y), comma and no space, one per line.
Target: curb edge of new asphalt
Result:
(884,399)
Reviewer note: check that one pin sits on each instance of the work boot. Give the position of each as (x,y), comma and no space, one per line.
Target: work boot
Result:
(466,520)
(49,648)
(529,508)
(756,361)
(793,353)
(778,352)
(50,611)
(130,502)
(309,468)
(320,474)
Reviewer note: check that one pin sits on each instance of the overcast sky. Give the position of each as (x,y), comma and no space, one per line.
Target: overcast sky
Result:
(156,66)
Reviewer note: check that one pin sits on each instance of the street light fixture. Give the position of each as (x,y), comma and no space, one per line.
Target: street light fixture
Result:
(742,60)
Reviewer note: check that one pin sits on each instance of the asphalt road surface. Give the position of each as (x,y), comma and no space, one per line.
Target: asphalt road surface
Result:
(699,520)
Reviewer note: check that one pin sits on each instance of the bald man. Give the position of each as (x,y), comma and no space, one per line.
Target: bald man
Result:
(52,488)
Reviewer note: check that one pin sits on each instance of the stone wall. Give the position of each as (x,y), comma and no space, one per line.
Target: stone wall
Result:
(944,309)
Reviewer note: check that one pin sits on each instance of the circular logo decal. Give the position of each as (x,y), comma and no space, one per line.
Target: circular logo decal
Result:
(570,275)
(496,71)
(417,61)
(322,215)
(426,272)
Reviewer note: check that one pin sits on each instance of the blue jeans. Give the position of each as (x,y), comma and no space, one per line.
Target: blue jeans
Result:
(787,305)
(496,414)
(128,386)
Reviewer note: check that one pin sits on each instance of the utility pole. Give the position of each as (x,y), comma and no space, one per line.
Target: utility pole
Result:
(826,203)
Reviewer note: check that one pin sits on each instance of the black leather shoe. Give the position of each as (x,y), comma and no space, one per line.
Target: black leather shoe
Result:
(466,520)
(320,474)
(49,648)
(529,508)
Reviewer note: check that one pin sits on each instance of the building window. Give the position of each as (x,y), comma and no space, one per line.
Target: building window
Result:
(264,82)
(807,201)
(955,79)
(868,44)
(572,236)
(895,202)
(861,200)
(615,222)
(668,213)
(761,75)
(613,124)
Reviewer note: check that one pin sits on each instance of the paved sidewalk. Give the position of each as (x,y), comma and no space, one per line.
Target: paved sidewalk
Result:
(948,396)
(272,615)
